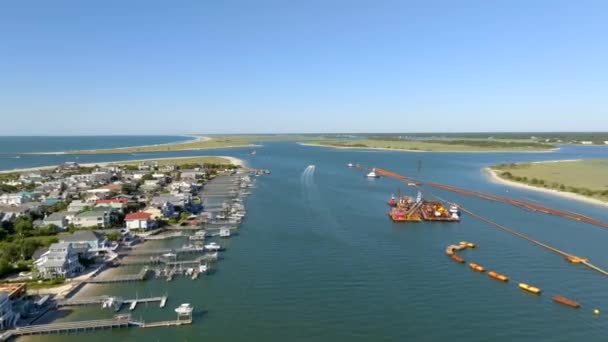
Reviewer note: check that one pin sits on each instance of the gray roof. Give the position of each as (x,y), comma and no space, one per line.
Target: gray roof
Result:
(56,216)
(80,235)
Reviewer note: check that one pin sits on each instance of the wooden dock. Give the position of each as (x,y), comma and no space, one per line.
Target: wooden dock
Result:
(100,299)
(120,321)
(141,276)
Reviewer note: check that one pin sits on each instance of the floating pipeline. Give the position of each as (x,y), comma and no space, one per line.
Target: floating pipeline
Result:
(457,258)
(566,301)
(530,288)
(476,267)
(498,276)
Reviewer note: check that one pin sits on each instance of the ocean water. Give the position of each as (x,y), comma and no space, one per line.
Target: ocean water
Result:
(318,260)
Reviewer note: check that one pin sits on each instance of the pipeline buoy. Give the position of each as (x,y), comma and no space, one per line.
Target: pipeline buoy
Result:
(596,311)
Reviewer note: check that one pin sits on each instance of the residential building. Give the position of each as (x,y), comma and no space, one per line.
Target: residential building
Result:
(99,217)
(77,206)
(60,261)
(139,220)
(58,219)
(115,203)
(84,240)
(14,199)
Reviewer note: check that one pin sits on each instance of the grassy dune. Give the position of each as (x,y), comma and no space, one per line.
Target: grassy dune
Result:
(584,177)
(443,145)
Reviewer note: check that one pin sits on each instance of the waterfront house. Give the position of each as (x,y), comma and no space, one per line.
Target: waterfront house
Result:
(180,202)
(168,168)
(8,318)
(139,220)
(58,219)
(192,174)
(69,166)
(96,217)
(147,165)
(60,261)
(85,240)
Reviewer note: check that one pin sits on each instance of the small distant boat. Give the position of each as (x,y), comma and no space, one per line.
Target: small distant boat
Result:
(350,165)
(169,255)
(225,232)
(253,153)
(213,246)
(184,309)
(372,174)
(203,268)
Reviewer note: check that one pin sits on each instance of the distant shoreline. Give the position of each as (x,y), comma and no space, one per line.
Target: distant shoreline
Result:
(233,160)
(195,138)
(495,178)
(423,151)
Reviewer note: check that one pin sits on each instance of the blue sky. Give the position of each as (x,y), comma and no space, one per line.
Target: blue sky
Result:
(166,67)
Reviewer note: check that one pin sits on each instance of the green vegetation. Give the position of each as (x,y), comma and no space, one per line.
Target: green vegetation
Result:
(583,177)
(443,145)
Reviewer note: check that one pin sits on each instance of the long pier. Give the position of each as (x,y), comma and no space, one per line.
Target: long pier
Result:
(100,299)
(120,321)
(160,261)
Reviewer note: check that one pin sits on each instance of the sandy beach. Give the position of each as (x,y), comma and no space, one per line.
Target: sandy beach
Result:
(233,160)
(422,151)
(493,175)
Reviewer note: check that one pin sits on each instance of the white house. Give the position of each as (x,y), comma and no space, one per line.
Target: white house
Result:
(139,220)
(99,217)
(60,261)
(13,199)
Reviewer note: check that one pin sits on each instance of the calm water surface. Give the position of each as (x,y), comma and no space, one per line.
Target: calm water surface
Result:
(317,259)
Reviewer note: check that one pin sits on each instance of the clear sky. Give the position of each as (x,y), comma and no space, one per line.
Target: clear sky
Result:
(251,66)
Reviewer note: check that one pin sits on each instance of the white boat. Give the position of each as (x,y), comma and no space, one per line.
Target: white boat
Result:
(372,174)
(454,209)
(350,165)
(199,235)
(169,255)
(203,268)
(224,232)
(213,246)
(184,309)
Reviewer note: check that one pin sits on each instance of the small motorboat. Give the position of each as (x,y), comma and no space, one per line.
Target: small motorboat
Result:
(373,174)
(213,246)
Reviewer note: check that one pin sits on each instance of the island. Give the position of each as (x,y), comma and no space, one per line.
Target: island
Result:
(200,142)
(581,179)
(440,145)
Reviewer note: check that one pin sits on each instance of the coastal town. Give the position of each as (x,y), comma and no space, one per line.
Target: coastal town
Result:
(67,227)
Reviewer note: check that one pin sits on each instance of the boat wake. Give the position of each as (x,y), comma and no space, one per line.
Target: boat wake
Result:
(307,176)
